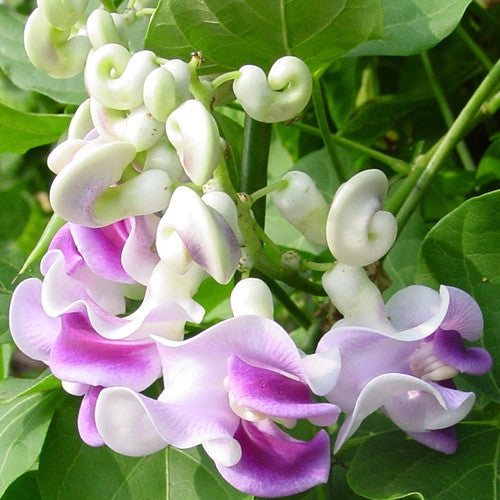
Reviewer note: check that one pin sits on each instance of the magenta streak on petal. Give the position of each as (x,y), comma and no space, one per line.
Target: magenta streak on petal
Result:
(443,440)
(273,464)
(449,347)
(86,418)
(274,394)
(81,355)
(101,249)
(63,241)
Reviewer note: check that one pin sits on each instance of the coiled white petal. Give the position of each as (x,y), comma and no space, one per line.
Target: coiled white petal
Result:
(115,78)
(163,156)
(357,231)
(63,14)
(104,27)
(280,96)
(301,204)
(81,123)
(159,93)
(137,127)
(193,132)
(54,51)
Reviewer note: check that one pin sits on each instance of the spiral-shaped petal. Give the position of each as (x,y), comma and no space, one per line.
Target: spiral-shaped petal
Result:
(53,51)
(301,204)
(81,123)
(137,127)
(357,231)
(115,78)
(159,93)
(193,132)
(63,14)
(280,96)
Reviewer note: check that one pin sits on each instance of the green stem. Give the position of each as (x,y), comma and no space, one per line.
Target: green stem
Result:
(256,144)
(317,266)
(320,110)
(145,12)
(453,136)
(300,316)
(396,164)
(199,91)
(474,48)
(275,186)
(446,111)
(54,224)
(225,77)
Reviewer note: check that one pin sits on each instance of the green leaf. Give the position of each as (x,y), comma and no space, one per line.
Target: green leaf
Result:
(389,466)
(22,131)
(15,63)
(463,250)
(12,388)
(69,469)
(25,487)
(23,425)
(488,169)
(14,212)
(231,33)
(413,26)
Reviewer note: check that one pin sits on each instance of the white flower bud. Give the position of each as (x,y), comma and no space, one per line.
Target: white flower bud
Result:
(81,123)
(104,27)
(63,14)
(159,93)
(162,156)
(252,296)
(137,127)
(182,75)
(115,78)
(193,132)
(301,204)
(357,231)
(53,51)
(280,96)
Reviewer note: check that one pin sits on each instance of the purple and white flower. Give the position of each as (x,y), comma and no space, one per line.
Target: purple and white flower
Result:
(225,389)
(408,372)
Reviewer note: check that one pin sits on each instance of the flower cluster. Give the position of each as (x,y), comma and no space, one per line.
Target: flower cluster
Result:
(121,275)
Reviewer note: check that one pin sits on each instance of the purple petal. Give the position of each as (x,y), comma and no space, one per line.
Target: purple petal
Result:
(86,418)
(449,347)
(133,424)
(273,464)
(443,440)
(274,394)
(32,330)
(81,355)
(464,315)
(102,248)
(63,241)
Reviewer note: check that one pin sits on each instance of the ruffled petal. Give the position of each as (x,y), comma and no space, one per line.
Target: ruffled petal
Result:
(463,315)
(63,241)
(443,440)
(274,394)
(449,347)
(411,403)
(273,464)
(86,418)
(79,354)
(135,425)
(32,330)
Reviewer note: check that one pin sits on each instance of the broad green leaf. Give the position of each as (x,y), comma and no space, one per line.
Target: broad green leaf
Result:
(25,487)
(413,26)
(231,33)
(15,63)
(12,388)
(69,469)
(463,250)
(488,169)
(11,262)
(389,466)
(22,131)
(23,425)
